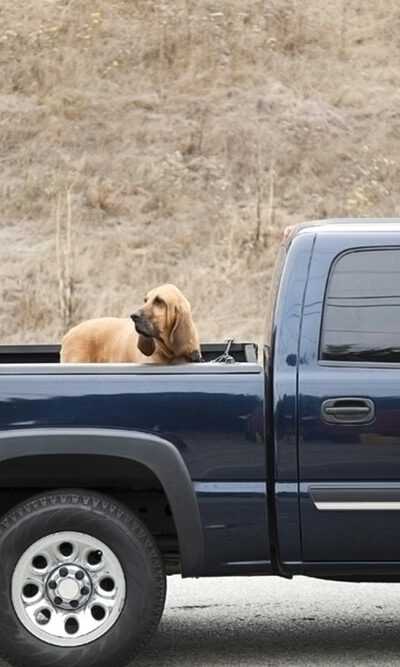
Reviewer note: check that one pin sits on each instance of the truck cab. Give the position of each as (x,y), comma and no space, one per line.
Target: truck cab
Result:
(334,376)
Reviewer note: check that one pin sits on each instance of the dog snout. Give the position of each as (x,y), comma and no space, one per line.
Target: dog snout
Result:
(142,325)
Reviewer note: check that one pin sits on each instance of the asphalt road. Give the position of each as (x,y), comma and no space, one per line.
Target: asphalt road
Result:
(267,621)
(254,622)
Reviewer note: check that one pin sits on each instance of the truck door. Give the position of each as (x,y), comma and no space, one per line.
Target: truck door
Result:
(349,400)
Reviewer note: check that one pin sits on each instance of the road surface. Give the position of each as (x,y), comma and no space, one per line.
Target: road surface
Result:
(263,622)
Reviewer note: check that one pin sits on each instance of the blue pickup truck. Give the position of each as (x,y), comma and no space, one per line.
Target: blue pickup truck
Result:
(114,476)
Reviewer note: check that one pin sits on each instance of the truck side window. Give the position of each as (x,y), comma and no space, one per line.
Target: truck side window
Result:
(361,319)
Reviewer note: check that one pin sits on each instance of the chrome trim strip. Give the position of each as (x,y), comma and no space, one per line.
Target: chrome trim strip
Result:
(243,488)
(352,506)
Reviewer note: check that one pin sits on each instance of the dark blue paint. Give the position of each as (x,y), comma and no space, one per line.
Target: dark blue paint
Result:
(217,425)
(234,520)
(281,392)
(215,421)
(366,454)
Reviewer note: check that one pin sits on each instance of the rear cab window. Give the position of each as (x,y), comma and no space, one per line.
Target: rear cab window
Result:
(361,316)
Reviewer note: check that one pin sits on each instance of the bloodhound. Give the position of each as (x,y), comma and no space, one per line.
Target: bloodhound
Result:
(162,331)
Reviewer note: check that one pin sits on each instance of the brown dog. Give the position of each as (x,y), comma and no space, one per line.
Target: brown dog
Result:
(162,331)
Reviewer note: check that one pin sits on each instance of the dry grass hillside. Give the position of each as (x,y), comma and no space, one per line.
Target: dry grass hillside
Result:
(145,141)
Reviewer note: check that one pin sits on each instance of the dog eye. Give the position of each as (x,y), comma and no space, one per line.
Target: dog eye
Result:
(158,301)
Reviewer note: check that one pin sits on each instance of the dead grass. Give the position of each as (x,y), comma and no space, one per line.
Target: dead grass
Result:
(192,133)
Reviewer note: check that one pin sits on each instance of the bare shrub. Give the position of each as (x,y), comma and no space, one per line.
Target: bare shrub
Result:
(102,195)
(65,260)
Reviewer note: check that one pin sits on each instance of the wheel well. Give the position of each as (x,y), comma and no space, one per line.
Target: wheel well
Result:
(129,482)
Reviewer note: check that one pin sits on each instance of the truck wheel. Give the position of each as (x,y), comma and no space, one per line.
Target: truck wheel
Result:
(82,582)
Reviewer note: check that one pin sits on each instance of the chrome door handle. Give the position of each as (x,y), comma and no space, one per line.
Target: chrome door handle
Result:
(348,410)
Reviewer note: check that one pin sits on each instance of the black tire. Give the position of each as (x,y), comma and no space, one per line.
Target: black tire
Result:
(101,517)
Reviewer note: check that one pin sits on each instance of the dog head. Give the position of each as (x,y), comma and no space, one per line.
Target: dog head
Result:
(165,322)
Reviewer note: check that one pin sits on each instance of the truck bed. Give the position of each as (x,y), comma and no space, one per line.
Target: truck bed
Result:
(209,414)
(49,354)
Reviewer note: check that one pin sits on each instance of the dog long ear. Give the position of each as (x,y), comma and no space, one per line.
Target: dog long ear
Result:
(146,345)
(183,337)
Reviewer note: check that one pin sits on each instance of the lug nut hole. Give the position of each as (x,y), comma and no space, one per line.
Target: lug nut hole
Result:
(43,616)
(98,612)
(30,590)
(39,563)
(107,584)
(94,557)
(71,626)
(65,549)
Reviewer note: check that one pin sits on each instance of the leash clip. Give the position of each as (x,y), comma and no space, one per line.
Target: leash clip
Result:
(225,357)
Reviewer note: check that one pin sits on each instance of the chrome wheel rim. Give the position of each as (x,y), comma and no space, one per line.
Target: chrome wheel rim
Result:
(68,588)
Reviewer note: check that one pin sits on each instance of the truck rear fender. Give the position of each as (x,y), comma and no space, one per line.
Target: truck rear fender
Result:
(146,451)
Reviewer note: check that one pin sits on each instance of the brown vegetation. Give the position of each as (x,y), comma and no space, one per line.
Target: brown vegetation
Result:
(171,141)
